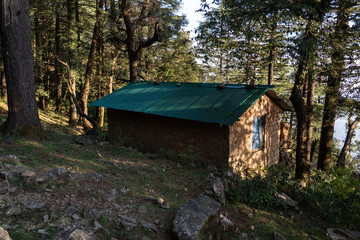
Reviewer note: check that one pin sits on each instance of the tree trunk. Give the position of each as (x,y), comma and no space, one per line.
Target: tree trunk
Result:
(100,70)
(313,149)
(135,50)
(90,63)
(3,86)
(272,56)
(57,64)
(112,74)
(307,48)
(23,117)
(302,166)
(133,69)
(309,112)
(92,121)
(352,126)
(72,42)
(337,67)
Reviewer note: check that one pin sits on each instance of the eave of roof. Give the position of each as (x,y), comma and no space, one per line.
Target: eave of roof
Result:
(204,102)
(281,103)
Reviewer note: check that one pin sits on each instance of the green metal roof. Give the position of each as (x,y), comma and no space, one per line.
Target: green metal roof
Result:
(202,102)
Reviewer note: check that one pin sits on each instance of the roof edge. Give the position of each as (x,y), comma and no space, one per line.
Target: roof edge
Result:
(281,103)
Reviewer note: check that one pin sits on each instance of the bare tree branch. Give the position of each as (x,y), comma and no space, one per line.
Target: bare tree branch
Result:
(92,121)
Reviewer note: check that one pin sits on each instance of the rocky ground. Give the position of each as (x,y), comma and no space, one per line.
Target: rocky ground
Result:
(73,187)
(117,197)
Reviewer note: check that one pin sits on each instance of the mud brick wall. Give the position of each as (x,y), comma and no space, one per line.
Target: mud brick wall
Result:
(242,158)
(149,133)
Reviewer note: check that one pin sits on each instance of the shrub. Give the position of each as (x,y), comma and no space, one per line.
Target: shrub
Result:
(334,196)
(256,191)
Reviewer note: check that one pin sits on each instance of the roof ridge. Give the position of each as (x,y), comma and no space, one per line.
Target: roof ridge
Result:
(202,84)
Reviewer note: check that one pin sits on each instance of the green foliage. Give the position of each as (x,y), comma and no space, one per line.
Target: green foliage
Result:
(171,61)
(100,134)
(334,196)
(256,191)
(189,155)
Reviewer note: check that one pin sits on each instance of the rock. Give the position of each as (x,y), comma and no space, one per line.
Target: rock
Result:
(71,209)
(4,235)
(40,180)
(97,177)
(12,157)
(46,218)
(128,222)
(111,195)
(19,169)
(160,200)
(55,173)
(12,189)
(42,232)
(197,219)
(7,165)
(124,190)
(127,219)
(342,234)
(91,213)
(97,226)
(225,222)
(3,187)
(28,174)
(142,209)
(12,211)
(215,188)
(128,225)
(13,174)
(149,226)
(282,197)
(85,140)
(252,227)
(75,217)
(36,206)
(165,205)
(278,236)
(81,235)
(157,221)
(244,235)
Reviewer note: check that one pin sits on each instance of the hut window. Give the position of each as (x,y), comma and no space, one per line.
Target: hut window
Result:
(257,133)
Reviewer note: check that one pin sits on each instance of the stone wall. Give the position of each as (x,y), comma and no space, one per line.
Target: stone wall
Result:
(242,158)
(149,133)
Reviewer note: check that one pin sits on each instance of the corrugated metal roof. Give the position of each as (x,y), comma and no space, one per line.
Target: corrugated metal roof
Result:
(202,102)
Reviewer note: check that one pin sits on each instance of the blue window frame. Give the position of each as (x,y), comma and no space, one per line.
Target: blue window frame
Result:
(257,133)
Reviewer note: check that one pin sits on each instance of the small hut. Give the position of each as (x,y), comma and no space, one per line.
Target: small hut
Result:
(236,126)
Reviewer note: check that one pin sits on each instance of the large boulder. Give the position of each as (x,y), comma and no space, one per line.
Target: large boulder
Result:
(79,234)
(198,219)
(342,234)
(287,201)
(215,188)
(4,235)
(85,140)
(57,172)
(13,174)
(74,233)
